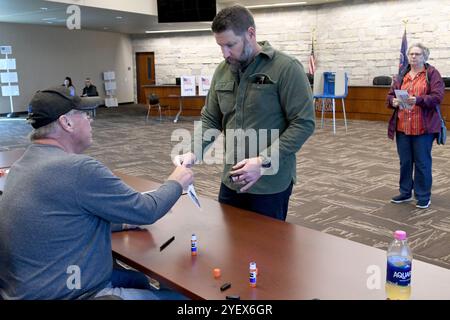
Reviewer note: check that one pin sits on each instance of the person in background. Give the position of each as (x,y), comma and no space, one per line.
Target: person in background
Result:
(68,84)
(260,90)
(58,206)
(416,124)
(89,90)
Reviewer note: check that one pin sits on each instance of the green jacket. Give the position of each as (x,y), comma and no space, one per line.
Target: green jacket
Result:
(272,93)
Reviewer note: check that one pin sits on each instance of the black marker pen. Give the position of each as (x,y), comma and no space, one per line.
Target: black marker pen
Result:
(165,244)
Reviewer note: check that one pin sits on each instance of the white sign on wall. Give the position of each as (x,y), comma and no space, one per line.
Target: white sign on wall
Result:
(5,49)
(109,75)
(188,85)
(8,77)
(7,64)
(111,85)
(10,91)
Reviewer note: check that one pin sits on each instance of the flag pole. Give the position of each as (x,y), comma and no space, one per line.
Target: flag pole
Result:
(405,22)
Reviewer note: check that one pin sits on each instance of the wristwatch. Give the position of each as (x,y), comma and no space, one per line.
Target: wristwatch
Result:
(266,162)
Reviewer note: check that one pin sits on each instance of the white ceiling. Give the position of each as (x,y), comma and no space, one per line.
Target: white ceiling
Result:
(31,12)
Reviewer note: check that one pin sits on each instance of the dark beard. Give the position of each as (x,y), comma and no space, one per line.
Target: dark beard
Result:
(244,60)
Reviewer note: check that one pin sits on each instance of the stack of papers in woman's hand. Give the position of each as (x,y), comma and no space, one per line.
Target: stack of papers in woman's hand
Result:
(403,95)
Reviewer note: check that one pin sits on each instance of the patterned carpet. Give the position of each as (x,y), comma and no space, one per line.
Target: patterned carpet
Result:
(345,181)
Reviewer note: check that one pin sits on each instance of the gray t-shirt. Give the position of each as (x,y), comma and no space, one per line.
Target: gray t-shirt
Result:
(55,222)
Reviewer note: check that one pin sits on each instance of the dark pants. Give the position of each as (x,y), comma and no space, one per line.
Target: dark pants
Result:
(415,157)
(130,279)
(273,205)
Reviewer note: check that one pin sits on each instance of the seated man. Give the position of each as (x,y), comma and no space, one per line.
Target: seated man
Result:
(89,90)
(57,208)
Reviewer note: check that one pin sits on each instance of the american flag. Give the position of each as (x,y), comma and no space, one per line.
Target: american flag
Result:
(187,81)
(312,60)
(403,57)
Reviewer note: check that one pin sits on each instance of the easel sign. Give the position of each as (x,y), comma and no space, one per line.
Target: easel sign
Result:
(7,64)
(204,85)
(187,86)
(5,50)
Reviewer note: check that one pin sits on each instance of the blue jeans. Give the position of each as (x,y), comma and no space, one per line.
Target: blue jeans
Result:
(133,285)
(273,205)
(415,157)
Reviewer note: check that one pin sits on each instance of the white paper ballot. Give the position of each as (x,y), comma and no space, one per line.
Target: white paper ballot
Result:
(193,195)
(402,95)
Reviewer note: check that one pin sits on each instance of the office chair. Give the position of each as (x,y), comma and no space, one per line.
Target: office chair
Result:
(446,81)
(153,101)
(331,85)
(382,81)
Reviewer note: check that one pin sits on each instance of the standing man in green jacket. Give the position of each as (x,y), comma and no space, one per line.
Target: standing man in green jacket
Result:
(260,98)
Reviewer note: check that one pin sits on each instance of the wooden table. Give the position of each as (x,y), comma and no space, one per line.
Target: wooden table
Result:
(171,95)
(293,262)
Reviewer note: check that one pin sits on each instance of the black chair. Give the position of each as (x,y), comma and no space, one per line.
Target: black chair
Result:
(446,81)
(153,101)
(310,78)
(382,81)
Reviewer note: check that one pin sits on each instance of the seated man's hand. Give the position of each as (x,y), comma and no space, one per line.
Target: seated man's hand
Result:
(184,176)
(186,160)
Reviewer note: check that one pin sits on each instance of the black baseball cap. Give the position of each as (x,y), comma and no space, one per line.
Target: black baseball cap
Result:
(48,105)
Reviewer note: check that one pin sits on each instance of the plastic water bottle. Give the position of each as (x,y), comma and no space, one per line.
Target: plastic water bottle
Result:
(253,273)
(194,245)
(399,264)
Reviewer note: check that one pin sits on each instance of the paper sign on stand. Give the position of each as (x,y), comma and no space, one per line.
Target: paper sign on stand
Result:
(204,85)
(188,85)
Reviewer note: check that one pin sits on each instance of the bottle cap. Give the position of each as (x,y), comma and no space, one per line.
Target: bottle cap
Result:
(252,265)
(400,235)
(216,272)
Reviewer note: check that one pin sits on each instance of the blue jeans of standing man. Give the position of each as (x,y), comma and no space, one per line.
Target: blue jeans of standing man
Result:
(415,158)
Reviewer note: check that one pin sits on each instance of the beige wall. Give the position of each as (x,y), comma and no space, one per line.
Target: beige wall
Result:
(45,55)
(360,37)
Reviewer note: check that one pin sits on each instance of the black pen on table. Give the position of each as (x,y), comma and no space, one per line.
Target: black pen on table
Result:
(165,244)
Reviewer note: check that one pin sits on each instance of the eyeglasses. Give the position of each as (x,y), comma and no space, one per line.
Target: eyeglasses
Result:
(414,54)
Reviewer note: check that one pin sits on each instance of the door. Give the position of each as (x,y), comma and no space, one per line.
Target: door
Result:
(145,70)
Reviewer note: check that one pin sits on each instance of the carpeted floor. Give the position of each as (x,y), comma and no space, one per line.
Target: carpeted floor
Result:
(345,181)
